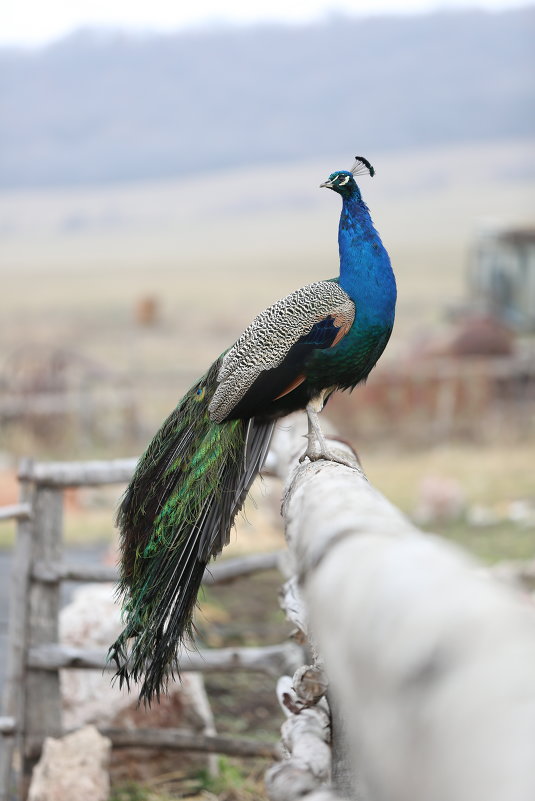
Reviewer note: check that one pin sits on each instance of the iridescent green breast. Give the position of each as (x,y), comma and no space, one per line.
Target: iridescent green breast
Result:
(350,361)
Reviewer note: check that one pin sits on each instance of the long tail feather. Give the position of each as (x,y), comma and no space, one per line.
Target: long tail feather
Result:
(176,514)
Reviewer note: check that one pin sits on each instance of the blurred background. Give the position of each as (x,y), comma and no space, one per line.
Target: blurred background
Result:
(159,174)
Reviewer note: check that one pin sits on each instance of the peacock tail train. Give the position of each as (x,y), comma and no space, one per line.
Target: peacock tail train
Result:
(175,516)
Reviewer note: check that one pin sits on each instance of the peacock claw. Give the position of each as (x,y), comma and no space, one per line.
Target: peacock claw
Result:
(318,449)
(314,455)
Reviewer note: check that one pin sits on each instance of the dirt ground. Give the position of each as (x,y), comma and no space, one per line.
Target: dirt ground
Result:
(244,613)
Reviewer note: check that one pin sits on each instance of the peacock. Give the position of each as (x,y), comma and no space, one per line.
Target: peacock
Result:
(178,510)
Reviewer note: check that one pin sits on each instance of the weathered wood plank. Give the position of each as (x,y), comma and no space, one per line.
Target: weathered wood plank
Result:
(271,659)
(228,570)
(19,511)
(187,741)
(430,660)
(224,572)
(13,691)
(77,474)
(51,574)
(42,713)
(182,740)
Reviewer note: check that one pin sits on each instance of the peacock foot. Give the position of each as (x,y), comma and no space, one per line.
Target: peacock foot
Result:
(317,445)
(320,450)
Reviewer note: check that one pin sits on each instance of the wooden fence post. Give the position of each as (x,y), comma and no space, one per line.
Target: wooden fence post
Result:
(41,715)
(13,695)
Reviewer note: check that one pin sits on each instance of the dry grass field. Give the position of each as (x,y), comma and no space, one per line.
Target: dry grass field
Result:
(215,249)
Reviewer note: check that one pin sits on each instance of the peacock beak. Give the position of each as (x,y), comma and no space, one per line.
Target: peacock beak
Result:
(327,184)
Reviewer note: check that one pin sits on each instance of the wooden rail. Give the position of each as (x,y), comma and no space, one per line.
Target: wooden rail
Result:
(77,474)
(224,572)
(20,511)
(269,659)
(180,740)
(429,658)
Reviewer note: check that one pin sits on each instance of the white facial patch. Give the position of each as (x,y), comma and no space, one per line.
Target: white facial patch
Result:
(344,181)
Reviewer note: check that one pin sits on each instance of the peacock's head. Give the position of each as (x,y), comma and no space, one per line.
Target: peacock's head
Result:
(343,181)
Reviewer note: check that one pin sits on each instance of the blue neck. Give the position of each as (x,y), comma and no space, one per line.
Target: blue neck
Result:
(365,271)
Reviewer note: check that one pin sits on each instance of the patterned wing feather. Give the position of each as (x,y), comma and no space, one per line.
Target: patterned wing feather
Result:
(266,342)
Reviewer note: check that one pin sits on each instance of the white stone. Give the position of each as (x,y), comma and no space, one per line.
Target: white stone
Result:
(73,767)
(93,620)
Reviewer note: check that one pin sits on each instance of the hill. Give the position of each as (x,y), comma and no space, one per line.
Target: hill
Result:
(98,107)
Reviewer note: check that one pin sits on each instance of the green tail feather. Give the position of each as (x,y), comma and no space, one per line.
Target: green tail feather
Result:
(176,514)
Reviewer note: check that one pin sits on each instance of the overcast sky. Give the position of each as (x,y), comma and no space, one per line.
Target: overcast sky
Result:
(35,22)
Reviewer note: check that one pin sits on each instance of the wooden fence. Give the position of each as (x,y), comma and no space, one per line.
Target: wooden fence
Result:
(421,401)
(425,401)
(430,693)
(31,698)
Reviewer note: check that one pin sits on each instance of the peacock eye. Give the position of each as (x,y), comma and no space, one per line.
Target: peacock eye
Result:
(200,393)
(343,181)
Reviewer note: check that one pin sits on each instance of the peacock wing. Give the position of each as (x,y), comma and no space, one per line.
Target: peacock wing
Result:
(316,316)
